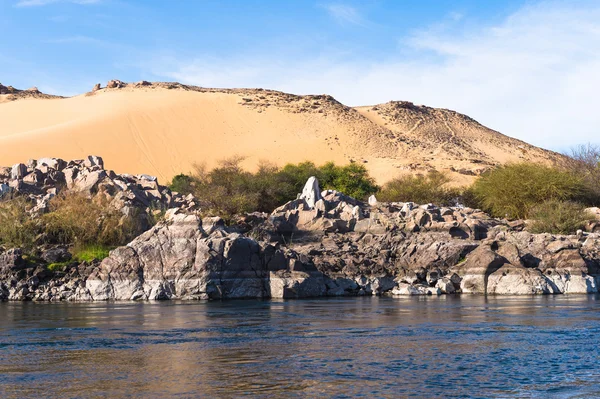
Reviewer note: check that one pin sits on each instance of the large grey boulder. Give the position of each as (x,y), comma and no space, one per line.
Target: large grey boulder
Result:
(11,259)
(177,259)
(477,268)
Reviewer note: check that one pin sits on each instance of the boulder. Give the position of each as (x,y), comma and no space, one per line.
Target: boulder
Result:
(518,280)
(51,163)
(92,161)
(88,180)
(408,289)
(18,171)
(311,193)
(178,260)
(477,268)
(56,255)
(372,201)
(115,84)
(11,259)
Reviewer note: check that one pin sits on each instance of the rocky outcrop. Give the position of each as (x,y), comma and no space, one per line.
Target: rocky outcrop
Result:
(40,180)
(322,244)
(22,280)
(178,259)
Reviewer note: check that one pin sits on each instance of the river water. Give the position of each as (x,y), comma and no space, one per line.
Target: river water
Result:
(427,347)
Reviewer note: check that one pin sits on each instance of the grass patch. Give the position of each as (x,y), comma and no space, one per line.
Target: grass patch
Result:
(59,266)
(90,253)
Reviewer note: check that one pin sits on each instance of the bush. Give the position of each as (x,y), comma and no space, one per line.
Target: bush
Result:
(226,190)
(584,161)
(559,217)
(17,228)
(182,184)
(512,190)
(75,219)
(421,189)
(352,180)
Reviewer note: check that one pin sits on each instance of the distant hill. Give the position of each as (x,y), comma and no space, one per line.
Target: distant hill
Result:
(165,128)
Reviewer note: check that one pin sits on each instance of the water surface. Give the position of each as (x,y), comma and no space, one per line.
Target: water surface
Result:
(468,346)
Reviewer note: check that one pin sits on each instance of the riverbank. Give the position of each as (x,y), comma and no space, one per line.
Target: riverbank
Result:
(322,244)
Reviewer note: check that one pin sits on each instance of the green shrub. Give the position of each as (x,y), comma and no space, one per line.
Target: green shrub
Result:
(17,227)
(182,184)
(352,179)
(558,217)
(512,190)
(421,189)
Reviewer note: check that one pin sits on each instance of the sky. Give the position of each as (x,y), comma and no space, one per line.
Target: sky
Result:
(529,69)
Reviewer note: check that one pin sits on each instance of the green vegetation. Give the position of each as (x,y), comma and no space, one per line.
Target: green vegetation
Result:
(17,228)
(421,189)
(74,219)
(512,191)
(228,189)
(553,197)
(90,226)
(58,267)
(90,253)
(182,184)
(558,217)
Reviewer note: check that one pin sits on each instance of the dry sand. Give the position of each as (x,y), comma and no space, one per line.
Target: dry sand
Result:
(164,131)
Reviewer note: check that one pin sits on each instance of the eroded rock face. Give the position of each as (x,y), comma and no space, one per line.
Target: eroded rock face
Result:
(338,247)
(179,260)
(40,180)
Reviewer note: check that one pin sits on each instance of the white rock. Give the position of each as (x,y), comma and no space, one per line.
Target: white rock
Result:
(372,200)
(18,171)
(311,192)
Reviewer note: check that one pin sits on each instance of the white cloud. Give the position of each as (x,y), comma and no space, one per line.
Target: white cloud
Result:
(37,3)
(344,14)
(533,76)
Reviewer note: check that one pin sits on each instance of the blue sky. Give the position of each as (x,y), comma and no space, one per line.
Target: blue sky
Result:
(526,68)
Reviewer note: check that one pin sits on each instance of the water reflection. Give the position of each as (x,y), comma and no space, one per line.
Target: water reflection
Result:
(450,346)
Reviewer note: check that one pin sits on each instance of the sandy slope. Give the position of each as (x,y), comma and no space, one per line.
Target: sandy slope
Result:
(162,131)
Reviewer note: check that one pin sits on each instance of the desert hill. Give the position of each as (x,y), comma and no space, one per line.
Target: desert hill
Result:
(9,93)
(165,128)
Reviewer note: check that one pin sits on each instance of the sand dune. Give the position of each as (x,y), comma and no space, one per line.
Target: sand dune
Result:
(163,129)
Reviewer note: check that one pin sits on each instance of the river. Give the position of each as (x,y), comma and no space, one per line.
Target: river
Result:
(414,347)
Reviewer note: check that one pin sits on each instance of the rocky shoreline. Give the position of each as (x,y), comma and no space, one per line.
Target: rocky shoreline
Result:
(322,244)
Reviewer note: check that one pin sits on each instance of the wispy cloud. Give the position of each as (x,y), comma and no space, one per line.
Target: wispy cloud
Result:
(344,14)
(533,76)
(38,3)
